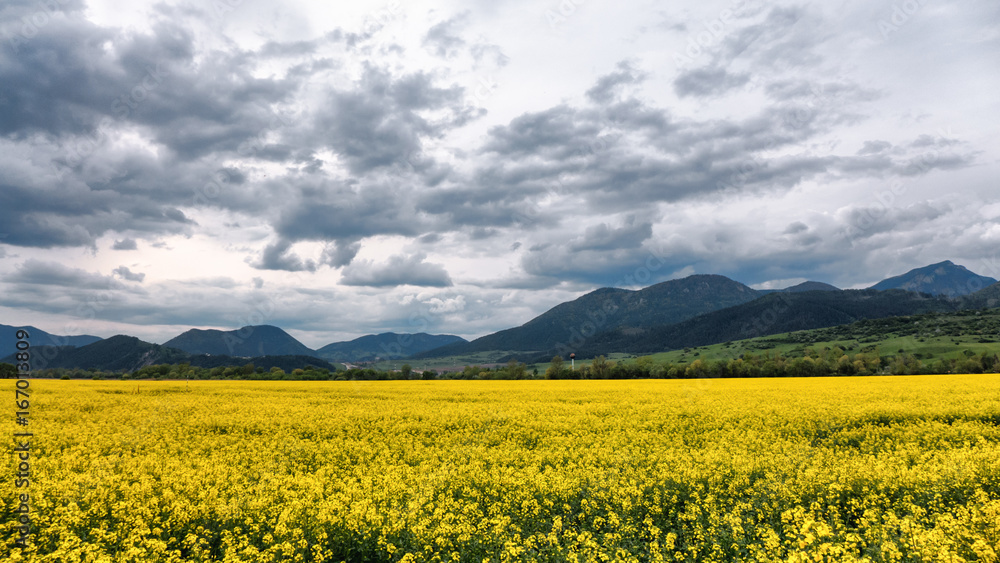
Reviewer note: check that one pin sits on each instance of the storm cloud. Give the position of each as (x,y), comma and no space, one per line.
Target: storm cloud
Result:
(369,164)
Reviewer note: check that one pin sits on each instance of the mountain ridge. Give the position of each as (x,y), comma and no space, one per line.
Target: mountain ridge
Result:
(944,278)
(248,341)
(385,345)
(123,353)
(696,304)
(774,314)
(604,308)
(39,337)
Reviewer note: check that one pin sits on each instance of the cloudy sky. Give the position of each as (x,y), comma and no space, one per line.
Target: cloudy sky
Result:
(345,168)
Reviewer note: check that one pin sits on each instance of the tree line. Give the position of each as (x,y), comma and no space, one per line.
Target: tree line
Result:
(814,363)
(824,363)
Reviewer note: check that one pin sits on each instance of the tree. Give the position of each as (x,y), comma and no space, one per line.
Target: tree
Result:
(406,370)
(600,368)
(555,369)
(8,371)
(696,369)
(515,369)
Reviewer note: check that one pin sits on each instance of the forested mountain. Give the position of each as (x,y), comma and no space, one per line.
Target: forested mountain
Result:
(262,340)
(810,286)
(984,298)
(8,339)
(694,311)
(128,353)
(944,278)
(574,321)
(118,353)
(772,314)
(385,345)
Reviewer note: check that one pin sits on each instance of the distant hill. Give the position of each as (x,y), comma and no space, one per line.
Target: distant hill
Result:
(39,337)
(984,298)
(772,314)
(573,322)
(385,345)
(804,286)
(118,353)
(944,278)
(128,353)
(262,340)
(810,286)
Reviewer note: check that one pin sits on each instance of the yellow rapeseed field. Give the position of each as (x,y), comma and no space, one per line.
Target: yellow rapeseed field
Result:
(833,469)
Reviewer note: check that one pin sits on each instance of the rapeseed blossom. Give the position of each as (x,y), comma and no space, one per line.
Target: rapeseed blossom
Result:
(832,469)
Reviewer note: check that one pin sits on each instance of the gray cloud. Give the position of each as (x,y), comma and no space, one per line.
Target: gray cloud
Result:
(340,253)
(608,86)
(128,275)
(397,270)
(124,244)
(602,237)
(874,147)
(708,82)
(279,256)
(175,125)
(443,38)
(378,123)
(38,272)
(796,228)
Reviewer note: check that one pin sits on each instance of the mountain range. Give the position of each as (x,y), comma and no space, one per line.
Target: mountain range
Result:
(38,337)
(717,309)
(694,311)
(774,314)
(127,353)
(573,322)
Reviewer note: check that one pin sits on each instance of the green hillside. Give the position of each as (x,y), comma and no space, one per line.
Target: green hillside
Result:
(931,336)
(571,324)
(775,313)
